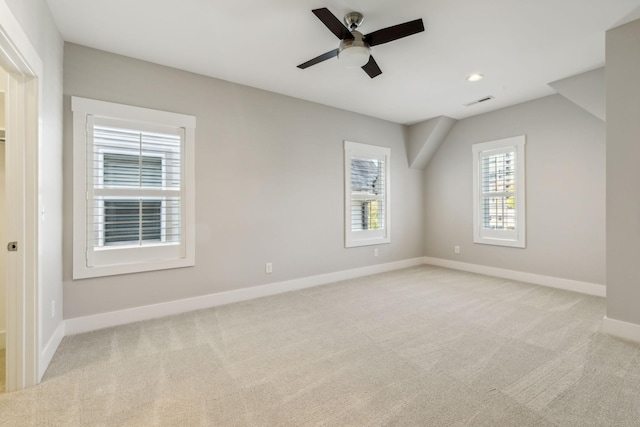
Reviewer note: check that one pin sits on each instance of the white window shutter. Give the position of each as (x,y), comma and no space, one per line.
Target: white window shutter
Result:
(136,192)
(366,194)
(133,189)
(499,192)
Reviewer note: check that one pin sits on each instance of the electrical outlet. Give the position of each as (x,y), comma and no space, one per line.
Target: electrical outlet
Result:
(456,249)
(375,252)
(53,309)
(268,268)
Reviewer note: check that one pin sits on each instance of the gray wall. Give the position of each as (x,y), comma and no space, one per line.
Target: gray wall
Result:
(37,23)
(565,191)
(269,175)
(623,173)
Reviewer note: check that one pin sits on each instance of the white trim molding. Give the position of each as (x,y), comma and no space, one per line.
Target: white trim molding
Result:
(536,279)
(95,322)
(508,154)
(90,258)
(24,126)
(50,349)
(618,328)
(372,155)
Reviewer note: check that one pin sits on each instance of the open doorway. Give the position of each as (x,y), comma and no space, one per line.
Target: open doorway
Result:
(22,134)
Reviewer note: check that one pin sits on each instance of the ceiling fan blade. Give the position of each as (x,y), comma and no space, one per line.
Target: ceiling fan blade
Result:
(318,59)
(333,23)
(396,32)
(372,68)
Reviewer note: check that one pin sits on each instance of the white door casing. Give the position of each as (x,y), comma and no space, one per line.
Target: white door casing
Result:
(23,103)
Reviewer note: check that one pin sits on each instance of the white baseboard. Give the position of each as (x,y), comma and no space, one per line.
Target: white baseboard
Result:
(95,322)
(537,279)
(50,349)
(618,328)
(3,340)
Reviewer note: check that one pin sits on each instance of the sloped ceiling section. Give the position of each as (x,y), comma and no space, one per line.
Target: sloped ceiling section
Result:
(425,138)
(586,90)
(631,16)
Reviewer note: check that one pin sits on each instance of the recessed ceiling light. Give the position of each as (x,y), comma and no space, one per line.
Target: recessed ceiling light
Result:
(475,77)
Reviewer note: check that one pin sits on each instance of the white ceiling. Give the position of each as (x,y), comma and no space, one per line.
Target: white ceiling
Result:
(520,46)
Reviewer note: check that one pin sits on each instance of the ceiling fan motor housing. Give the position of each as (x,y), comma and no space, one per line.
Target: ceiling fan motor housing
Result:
(353,20)
(354,53)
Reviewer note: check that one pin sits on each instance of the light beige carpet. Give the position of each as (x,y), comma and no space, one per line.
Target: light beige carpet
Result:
(424,346)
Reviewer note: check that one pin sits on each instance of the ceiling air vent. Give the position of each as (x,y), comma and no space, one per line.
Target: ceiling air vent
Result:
(483,99)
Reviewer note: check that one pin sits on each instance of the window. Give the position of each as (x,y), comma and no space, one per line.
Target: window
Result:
(133,189)
(498,192)
(366,194)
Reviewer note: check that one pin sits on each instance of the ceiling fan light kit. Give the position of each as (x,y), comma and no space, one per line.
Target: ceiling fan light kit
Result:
(354,53)
(355,49)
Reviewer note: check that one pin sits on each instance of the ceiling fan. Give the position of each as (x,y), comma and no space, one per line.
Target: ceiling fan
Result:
(354,47)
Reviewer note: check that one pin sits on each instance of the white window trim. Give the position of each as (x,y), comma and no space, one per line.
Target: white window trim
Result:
(511,238)
(366,237)
(146,258)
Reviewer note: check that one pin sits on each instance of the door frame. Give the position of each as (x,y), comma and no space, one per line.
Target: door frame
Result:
(23,130)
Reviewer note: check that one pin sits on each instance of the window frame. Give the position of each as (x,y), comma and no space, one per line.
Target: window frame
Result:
(357,238)
(510,238)
(124,259)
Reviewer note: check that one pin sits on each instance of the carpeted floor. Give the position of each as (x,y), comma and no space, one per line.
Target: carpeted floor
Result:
(424,346)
